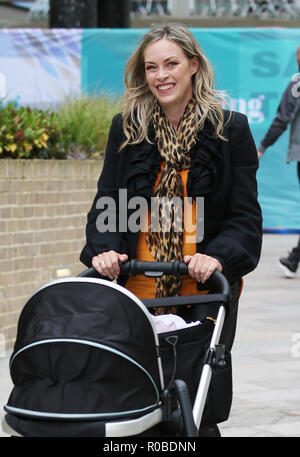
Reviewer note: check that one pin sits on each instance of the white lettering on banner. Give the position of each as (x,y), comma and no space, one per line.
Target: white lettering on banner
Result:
(252,108)
(2,86)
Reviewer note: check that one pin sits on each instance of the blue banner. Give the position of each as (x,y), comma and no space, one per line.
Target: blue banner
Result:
(253,66)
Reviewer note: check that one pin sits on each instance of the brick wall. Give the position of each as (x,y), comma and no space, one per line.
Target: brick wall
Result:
(43,208)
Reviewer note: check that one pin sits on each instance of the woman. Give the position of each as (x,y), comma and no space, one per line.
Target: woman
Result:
(173,139)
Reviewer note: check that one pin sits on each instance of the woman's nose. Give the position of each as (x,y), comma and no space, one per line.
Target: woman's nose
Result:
(162,74)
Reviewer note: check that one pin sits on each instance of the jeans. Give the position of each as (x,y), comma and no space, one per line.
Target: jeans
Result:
(296,249)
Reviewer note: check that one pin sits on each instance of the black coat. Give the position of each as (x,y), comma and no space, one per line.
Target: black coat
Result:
(223,172)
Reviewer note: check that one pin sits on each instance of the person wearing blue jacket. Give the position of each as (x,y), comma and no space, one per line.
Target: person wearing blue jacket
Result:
(288,114)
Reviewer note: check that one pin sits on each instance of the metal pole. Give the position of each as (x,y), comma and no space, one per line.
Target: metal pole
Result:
(113,14)
(72,14)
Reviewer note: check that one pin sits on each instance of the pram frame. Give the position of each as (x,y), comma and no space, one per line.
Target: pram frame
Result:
(156,269)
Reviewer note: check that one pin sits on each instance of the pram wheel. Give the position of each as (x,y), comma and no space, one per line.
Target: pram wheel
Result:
(209,432)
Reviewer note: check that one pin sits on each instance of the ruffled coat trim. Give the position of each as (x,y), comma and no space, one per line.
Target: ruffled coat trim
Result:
(206,163)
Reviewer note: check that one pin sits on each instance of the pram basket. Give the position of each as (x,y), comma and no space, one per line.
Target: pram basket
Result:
(88,361)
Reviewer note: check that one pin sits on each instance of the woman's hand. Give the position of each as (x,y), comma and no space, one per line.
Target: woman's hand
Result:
(107,263)
(201,266)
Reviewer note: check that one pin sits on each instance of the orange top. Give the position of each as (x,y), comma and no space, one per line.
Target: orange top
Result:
(144,287)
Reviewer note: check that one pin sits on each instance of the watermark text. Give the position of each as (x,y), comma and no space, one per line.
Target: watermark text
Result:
(295,350)
(2,346)
(135,214)
(2,86)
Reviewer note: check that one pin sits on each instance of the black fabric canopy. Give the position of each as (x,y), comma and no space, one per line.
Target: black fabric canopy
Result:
(84,347)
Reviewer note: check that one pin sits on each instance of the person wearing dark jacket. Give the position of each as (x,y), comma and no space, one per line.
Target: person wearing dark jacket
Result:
(174,140)
(288,114)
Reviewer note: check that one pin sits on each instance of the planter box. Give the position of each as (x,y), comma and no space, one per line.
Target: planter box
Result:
(43,209)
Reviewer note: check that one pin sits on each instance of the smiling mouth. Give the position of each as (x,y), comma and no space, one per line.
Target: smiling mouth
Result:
(164,87)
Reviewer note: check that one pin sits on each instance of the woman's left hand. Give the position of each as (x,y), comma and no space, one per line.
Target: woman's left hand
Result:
(201,266)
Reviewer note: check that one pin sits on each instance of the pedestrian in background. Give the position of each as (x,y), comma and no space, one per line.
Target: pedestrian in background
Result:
(288,114)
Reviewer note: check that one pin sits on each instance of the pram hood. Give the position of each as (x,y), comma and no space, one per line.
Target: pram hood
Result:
(85,349)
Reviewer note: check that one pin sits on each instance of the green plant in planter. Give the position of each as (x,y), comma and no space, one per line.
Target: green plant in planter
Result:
(85,121)
(77,129)
(28,133)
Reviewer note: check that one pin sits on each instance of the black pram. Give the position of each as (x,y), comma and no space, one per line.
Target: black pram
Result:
(88,361)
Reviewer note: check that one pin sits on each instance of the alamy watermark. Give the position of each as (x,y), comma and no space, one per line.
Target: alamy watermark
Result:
(2,86)
(132,215)
(295,350)
(2,346)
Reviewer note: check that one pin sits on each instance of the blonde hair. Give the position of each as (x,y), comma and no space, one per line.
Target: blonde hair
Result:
(139,101)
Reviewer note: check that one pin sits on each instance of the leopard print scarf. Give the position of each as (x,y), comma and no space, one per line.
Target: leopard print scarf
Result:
(165,240)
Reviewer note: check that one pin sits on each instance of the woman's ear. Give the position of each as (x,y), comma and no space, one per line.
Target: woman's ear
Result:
(194,64)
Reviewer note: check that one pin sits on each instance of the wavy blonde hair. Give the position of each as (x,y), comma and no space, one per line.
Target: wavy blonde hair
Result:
(139,100)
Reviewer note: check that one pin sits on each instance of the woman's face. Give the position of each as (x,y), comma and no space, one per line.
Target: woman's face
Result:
(169,74)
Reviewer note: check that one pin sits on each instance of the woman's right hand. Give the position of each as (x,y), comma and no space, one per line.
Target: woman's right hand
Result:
(107,263)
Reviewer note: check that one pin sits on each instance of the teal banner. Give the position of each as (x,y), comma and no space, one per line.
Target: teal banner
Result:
(252,66)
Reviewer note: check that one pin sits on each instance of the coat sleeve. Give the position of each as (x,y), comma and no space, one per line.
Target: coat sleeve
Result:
(106,200)
(285,114)
(238,242)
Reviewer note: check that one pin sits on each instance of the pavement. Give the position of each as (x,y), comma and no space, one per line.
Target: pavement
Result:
(265,355)
(266,351)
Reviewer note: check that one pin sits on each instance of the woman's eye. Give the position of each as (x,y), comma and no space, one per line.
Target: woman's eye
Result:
(172,64)
(150,67)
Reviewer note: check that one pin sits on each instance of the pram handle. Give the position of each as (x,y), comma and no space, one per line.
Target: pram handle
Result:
(217,282)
